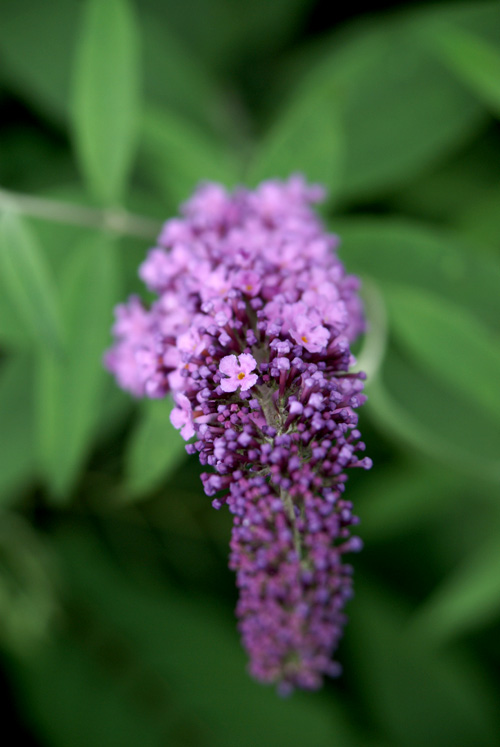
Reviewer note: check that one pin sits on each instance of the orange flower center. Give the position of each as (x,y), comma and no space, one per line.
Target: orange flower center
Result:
(303,338)
(241,375)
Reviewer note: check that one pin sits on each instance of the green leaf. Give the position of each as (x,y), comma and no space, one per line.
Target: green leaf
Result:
(26,279)
(396,251)
(175,78)
(468,599)
(418,695)
(402,497)
(307,138)
(450,342)
(155,449)
(106,96)
(13,332)
(473,59)
(25,28)
(17,455)
(446,194)
(402,108)
(480,220)
(180,154)
(415,409)
(70,390)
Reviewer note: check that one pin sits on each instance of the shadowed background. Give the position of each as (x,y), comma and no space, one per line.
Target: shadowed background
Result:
(116,605)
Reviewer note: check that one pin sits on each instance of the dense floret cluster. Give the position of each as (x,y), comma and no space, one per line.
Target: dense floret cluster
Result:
(251,334)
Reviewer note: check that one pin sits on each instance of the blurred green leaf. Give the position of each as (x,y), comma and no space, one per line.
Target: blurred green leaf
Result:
(473,59)
(402,108)
(399,498)
(417,695)
(13,332)
(181,154)
(480,16)
(397,251)
(480,220)
(307,137)
(468,598)
(450,342)
(155,448)
(36,45)
(447,193)
(418,411)
(17,455)
(106,96)
(228,34)
(27,280)
(70,390)
(184,647)
(175,78)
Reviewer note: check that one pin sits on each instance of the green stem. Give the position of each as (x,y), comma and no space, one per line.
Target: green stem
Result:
(116,220)
(273,418)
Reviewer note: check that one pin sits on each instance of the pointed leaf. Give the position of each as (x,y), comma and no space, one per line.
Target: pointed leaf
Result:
(106,96)
(26,278)
(70,390)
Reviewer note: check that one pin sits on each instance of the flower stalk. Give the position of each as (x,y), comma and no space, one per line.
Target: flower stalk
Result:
(115,220)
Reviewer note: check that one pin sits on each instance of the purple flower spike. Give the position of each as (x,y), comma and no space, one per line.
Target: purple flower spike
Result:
(251,334)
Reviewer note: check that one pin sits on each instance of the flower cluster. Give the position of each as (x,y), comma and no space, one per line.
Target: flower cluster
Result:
(251,334)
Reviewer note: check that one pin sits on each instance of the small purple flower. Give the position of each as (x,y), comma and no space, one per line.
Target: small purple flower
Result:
(238,369)
(181,416)
(313,337)
(250,289)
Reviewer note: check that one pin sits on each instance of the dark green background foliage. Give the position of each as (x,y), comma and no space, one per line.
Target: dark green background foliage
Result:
(116,605)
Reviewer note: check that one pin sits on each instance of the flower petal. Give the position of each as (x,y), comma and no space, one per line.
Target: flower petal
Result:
(229,385)
(229,365)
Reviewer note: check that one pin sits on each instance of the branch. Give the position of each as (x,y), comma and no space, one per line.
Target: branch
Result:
(116,220)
